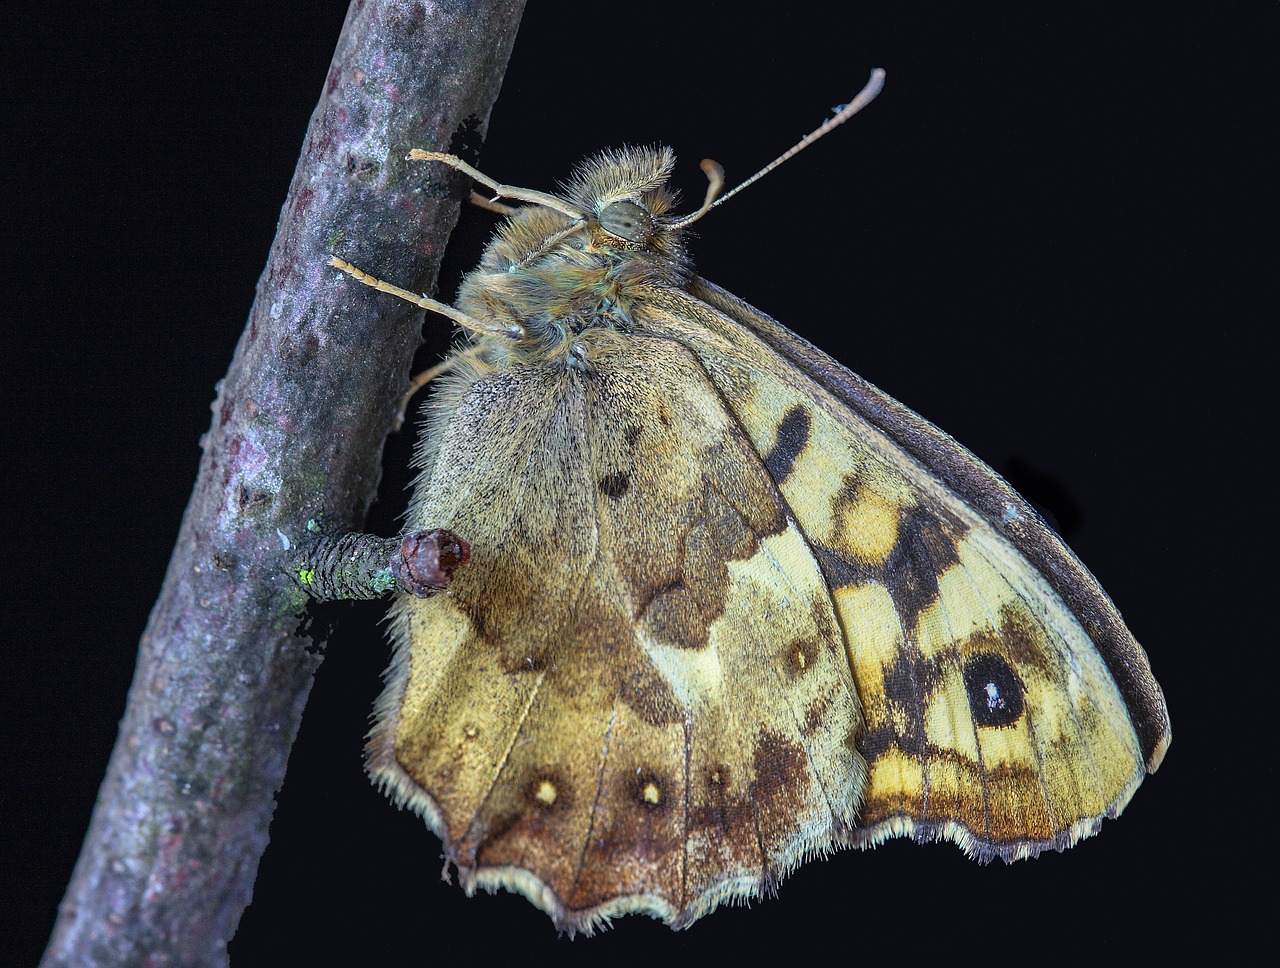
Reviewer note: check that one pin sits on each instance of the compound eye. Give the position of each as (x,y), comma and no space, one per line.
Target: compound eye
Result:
(628,221)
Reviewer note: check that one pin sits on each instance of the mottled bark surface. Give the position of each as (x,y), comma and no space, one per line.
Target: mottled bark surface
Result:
(224,669)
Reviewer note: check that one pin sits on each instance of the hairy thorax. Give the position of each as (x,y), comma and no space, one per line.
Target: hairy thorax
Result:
(572,285)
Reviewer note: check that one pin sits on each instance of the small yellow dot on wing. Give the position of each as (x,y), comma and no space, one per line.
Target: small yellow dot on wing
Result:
(546,793)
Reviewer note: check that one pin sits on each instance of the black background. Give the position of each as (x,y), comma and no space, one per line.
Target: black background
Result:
(1039,237)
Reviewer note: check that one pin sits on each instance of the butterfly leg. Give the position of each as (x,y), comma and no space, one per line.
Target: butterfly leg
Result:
(488,204)
(499,190)
(509,331)
(419,381)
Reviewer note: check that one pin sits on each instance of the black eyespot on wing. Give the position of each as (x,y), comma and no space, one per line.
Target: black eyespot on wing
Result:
(994,689)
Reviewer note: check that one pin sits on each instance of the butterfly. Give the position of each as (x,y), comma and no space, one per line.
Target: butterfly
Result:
(729,606)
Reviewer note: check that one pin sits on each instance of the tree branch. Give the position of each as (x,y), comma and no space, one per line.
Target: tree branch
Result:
(223,670)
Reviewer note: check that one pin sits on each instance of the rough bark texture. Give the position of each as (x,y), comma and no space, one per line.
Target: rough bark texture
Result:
(299,422)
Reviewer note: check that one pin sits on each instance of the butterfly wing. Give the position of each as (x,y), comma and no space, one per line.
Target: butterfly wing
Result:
(729,606)
(1007,707)
(636,696)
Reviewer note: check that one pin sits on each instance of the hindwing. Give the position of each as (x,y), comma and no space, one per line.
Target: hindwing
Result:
(636,697)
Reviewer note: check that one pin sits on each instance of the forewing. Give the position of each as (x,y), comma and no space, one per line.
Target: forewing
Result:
(1006,705)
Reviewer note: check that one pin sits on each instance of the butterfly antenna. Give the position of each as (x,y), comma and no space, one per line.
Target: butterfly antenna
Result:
(716,174)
